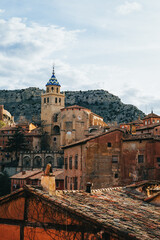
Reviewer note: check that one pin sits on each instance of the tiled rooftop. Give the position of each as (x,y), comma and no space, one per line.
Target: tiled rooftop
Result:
(114,209)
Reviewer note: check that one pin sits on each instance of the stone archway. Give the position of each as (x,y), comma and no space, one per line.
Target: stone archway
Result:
(49,159)
(26,161)
(56,130)
(37,162)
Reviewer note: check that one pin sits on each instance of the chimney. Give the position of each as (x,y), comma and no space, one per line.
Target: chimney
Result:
(88,187)
(48,180)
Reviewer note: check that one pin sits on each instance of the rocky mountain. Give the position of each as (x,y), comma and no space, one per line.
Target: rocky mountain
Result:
(27,103)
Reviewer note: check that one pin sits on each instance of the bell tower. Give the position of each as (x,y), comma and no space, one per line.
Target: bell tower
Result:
(51,103)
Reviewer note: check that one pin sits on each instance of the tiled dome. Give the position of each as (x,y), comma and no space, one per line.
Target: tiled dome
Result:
(53,80)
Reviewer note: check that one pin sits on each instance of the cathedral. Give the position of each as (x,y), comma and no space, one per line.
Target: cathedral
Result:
(63,124)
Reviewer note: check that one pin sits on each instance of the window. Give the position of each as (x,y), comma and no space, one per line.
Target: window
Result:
(158,161)
(145,122)
(153,121)
(157,121)
(66,163)
(56,130)
(59,100)
(57,89)
(116,175)
(44,100)
(66,182)
(148,121)
(47,99)
(55,117)
(70,163)
(55,100)
(47,89)
(140,158)
(76,162)
(54,139)
(75,183)
(57,184)
(115,159)
(52,88)
(109,144)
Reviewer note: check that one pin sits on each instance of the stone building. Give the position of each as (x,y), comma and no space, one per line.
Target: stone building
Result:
(52,101)
(6,117)
(65,124)
(111,159)
(77,122)
(96,159)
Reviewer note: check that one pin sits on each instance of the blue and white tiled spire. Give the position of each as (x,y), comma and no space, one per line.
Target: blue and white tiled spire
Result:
(53,80)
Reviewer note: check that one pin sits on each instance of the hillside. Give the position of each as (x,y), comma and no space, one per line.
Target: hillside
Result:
(27,103)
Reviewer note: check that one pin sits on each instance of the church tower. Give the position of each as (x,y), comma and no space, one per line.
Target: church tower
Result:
(51,103)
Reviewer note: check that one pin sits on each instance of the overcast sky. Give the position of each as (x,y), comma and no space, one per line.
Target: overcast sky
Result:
(95,44)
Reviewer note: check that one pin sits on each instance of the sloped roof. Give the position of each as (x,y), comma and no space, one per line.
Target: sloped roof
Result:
(75,107)
(112,209)
(25,174)
(151,115)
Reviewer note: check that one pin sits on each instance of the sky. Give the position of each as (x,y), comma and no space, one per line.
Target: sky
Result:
(93,44)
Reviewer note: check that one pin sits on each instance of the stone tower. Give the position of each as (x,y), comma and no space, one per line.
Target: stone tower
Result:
(51,103)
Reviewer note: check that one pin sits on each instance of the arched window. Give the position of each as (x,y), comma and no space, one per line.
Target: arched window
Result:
(52,89)
(26,162)
(57,89)
(55,100)
(49,159)
(56,130)
(47,89)
(55,117)
(37,162)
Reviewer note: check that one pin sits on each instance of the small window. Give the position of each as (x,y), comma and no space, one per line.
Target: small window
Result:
(57,89)
(44,100)
(148,121)
(59,100)
(76,162)
(47,99)
(109,144)
(116,175)
(153,121)
(66,163)
(47,89)
(66,182)
(55,100)
(57,184)
(158,161)
(140,158)
(115,159)
(54,139)
(52,88)
(75,183)
(157,121)
(70,163)
(145,122)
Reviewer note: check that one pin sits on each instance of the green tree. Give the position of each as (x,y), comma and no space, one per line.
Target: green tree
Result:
(5,184)
(17,143)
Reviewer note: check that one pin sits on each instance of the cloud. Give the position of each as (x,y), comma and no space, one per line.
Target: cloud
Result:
(129,7)
(2,11)
(27,51)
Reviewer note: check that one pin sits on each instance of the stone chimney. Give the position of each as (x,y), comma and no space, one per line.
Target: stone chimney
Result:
(48,180)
